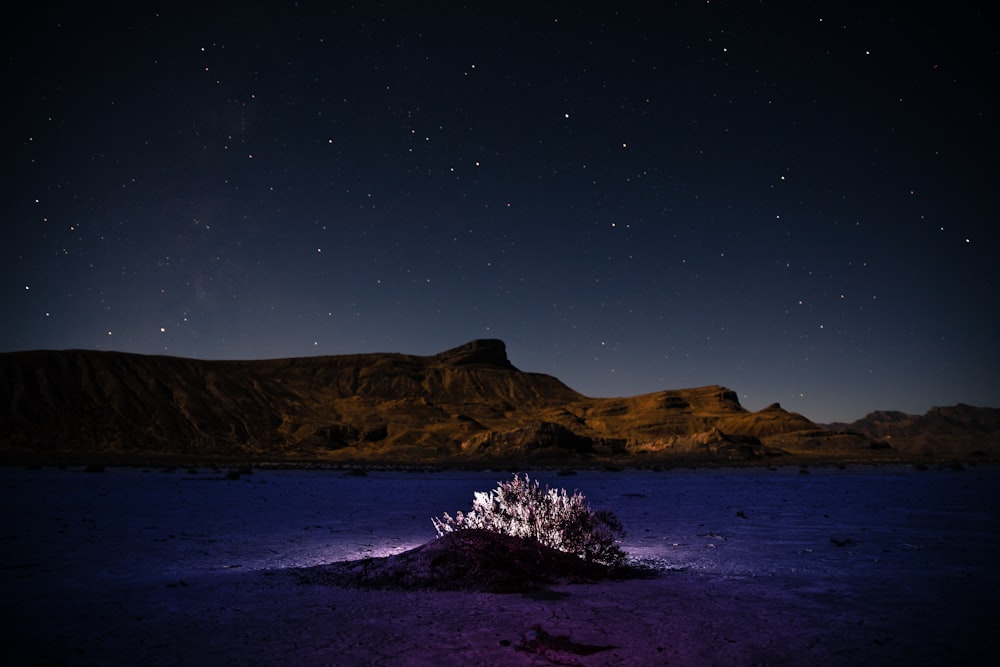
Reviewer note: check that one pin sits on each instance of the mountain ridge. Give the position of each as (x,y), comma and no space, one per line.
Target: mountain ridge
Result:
(468,405)
(958,429)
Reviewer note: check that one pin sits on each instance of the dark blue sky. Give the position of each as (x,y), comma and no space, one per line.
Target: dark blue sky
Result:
(791,199)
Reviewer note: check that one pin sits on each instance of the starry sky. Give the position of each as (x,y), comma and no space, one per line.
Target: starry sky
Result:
(796,200)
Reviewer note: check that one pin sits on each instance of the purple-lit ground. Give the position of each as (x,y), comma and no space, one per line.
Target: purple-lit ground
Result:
(858,566)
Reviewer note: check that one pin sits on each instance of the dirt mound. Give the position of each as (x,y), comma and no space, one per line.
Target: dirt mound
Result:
(468,560)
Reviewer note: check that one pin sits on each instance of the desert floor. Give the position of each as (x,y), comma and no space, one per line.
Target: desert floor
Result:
(865,565)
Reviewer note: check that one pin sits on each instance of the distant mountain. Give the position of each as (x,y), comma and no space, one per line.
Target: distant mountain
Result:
(946,431)
(465,406)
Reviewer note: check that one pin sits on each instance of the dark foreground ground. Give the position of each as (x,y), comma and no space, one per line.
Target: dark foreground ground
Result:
(873,565)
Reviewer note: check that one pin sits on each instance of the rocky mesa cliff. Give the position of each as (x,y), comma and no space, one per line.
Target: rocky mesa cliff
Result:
(466,406)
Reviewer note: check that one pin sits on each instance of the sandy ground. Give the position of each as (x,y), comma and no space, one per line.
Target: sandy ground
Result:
(862,566)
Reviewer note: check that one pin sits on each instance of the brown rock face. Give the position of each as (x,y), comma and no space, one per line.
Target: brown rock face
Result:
(468,405)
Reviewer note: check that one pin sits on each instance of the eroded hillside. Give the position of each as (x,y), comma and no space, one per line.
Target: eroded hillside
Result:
(467,405)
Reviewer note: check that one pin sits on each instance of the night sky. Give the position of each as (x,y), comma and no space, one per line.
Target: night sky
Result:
(796,200)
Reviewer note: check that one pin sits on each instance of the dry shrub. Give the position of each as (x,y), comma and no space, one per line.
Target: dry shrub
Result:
(552,517)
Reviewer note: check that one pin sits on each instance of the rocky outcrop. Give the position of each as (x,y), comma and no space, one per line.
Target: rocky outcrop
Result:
(541,439)
(483,352)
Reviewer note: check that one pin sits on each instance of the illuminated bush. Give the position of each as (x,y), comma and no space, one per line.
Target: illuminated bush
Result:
(521,508)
